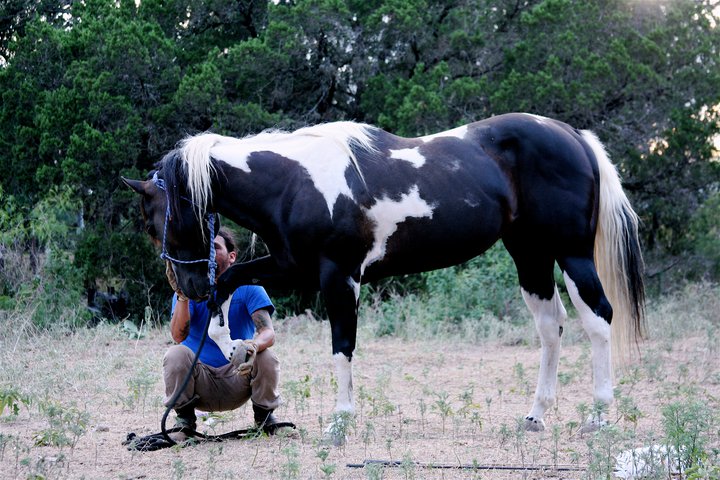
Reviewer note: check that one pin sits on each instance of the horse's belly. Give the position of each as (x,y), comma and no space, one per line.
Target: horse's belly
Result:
(435,238)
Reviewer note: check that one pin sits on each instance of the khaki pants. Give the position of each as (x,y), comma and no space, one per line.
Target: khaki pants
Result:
(220,389)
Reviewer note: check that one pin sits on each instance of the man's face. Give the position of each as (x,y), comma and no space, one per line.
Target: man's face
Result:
(223,258)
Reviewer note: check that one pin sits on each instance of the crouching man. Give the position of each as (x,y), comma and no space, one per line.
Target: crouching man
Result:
(217,384)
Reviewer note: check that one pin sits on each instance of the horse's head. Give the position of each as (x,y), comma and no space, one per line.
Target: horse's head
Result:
(177,230)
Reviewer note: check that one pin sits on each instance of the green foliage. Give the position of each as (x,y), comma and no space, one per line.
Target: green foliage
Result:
(97,89)
(486,284)
(704,233)
(11,399)
(66,425)
(687,426)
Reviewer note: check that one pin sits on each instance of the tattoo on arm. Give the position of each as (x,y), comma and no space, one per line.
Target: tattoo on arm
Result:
(184,331)
(261,318)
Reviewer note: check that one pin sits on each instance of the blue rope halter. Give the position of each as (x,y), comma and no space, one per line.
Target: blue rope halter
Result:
(212,265)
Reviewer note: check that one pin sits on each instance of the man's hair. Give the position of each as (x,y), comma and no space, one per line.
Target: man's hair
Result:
(229,238)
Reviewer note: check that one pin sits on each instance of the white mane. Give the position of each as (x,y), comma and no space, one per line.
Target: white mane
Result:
(195,151)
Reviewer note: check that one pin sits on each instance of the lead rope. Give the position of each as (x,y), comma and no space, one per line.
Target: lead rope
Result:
(212,265)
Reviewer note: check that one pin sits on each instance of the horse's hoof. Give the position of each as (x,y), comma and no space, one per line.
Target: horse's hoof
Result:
(592,424)
(334,439)
(337,431)
(533,424)
(236,356)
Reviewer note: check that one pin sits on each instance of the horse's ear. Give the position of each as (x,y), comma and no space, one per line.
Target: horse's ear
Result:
(138,185)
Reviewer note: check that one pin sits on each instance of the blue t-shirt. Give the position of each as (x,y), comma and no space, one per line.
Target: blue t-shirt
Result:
(246,300)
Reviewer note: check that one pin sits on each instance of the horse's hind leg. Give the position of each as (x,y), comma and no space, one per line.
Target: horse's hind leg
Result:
(542,298)
(549,316)
(595,314)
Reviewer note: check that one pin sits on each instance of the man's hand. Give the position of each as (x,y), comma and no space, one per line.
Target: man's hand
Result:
(244,356)
(170,274)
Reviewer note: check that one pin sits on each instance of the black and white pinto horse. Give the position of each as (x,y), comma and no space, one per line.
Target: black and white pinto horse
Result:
(344,203)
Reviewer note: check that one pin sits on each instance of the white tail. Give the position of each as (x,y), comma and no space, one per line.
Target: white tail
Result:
(617,255)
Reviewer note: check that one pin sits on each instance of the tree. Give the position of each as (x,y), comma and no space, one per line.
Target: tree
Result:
(95,89)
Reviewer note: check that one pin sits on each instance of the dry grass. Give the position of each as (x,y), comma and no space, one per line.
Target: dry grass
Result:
(434,401)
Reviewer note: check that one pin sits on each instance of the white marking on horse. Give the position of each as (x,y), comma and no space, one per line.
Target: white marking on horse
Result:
(411,155)
(598,330)
(343,370)
(221,335)
(387,214)
(458,132)
(549,316)
(356,288)
(324,151)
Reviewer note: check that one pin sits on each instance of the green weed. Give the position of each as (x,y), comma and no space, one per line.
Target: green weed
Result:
(291,468)
(443,407)
(139,386)
(686,427)
(11,398)
(66,425)
(326,468)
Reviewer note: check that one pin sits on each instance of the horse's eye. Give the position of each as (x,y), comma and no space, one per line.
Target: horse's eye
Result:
(150,230)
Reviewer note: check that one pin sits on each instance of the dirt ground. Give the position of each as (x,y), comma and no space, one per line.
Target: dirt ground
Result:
(426,404)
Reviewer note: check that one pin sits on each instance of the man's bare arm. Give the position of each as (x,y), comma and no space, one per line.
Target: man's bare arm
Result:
(180,321)
(264,331)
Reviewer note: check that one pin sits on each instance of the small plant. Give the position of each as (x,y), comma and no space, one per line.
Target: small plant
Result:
(521,377)
(340,425)
(67,425)
(443,407)
(685,425)
(139,387)
(632,377)
(520,438)
(408,466)
(368,434)
(583,410)
(388,446)
(291,469)
(470,409)
(556,430)
(628,410)
(326,468)
(422,406)
(603,448)
(374,471)
(178,469)
(11,399)
(4,441)
(299,392)
(505,434)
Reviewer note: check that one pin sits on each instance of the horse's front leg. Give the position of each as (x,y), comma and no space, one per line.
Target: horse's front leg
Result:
(342,294)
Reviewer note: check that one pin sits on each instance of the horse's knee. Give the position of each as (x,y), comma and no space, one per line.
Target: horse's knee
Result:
(549,316)
(587,294)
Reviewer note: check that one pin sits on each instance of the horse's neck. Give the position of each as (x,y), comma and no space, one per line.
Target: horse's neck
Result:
(248,202)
